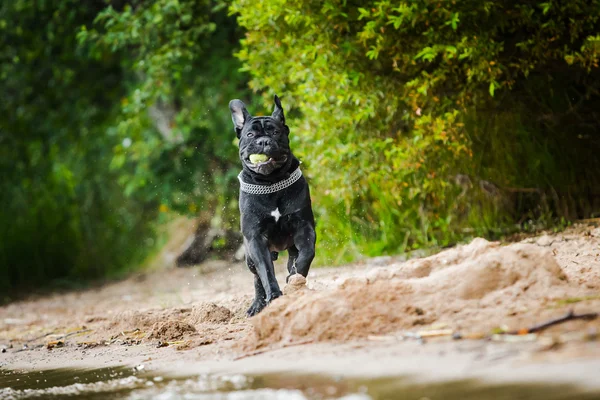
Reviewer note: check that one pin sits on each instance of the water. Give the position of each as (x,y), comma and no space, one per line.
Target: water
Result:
(126,383)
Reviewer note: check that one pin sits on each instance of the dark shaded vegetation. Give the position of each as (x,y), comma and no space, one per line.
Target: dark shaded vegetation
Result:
(110,118)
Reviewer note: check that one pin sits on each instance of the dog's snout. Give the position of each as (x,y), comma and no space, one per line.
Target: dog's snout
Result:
(263,141)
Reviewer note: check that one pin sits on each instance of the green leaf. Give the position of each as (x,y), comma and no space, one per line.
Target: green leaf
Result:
(545,7)
(454,20)
(492,88)
(570,59)
(364,13)
(428,54)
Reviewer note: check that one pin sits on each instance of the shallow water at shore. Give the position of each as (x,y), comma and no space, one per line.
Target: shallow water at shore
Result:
(137,384)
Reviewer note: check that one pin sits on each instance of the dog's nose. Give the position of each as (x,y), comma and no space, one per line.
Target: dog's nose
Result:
(263,141)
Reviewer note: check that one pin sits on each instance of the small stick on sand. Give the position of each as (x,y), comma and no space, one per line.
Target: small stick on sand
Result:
(436,332)
(257,352)
(58,336)
(540,327)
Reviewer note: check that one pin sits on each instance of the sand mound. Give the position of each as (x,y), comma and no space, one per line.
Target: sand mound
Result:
(520,265)
(210,313)
(296,283)
(208,322)
(479,283)
(144,319)
(171,330)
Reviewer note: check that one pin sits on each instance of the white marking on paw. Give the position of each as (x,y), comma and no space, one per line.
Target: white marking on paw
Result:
(276,214)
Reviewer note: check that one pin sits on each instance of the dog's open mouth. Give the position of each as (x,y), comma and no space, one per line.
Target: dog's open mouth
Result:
(259,160)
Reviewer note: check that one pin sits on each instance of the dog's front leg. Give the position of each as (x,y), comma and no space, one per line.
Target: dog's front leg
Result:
(259,292)
(291,265)
(304,241)
(258,251)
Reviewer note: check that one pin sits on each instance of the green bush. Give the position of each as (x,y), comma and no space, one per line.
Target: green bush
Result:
(113,113)
(422,122)
(180,75)
(419,123)
(62,215)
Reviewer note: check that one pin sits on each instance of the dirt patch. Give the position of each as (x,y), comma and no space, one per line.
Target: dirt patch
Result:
(171,330)
(467,289)
(145,319)
(472,287)
(210,313)
(577,250)
(176,323)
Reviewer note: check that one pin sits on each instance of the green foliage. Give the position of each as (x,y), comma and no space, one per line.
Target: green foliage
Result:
(398,99)
(113,113)
(419,122)
(174,128)
(61,214)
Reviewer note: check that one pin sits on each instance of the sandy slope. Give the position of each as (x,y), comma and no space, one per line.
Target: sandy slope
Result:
(355,320)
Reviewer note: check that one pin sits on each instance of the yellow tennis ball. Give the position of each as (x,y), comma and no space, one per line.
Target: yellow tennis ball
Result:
(256,158)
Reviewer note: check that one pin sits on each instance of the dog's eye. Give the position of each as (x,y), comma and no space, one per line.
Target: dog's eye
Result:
(250,134)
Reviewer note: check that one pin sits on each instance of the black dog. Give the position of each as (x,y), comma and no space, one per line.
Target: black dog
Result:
(275,205)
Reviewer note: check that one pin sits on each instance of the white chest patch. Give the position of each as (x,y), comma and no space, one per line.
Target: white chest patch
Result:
(276,214)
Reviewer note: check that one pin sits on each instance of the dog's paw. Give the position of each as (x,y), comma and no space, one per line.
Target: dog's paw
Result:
(274,295)
(256,307)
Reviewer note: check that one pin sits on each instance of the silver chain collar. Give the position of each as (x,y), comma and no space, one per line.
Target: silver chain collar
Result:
(266,189)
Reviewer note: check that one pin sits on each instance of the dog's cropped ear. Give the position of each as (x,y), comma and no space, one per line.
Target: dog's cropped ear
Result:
(239,115)
(278,111)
